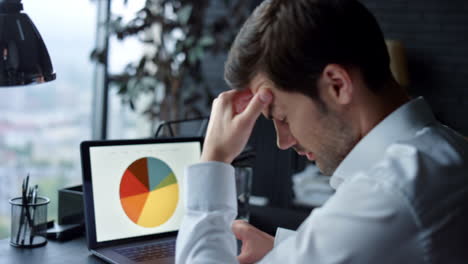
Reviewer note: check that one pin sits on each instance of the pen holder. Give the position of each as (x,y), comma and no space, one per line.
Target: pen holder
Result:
(28,222)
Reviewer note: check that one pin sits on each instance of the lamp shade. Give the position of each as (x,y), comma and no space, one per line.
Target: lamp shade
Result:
(23,55)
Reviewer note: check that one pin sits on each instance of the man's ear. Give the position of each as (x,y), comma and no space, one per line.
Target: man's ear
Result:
(338,85)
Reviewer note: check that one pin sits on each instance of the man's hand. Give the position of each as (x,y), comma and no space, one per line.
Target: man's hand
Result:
(232,119)
(255,243)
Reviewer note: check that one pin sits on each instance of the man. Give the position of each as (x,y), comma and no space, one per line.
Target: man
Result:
(319,69)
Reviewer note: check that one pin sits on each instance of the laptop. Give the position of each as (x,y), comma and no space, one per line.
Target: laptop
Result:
(134,198)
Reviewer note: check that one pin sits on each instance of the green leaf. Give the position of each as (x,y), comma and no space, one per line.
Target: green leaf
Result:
(132,87)
(184,14)
(195,54)
(189,41)
(149,83)
(179,47)
(206,41)
(199,52)
(122,89)
(192,57)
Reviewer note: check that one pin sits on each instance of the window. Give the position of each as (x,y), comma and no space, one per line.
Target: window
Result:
(42,126)
(122,121)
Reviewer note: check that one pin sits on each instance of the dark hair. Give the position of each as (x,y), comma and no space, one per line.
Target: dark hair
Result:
(291,41)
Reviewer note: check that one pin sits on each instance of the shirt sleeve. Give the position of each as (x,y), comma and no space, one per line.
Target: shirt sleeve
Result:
(210,202)
(363,222)
(282,234)
(353,228)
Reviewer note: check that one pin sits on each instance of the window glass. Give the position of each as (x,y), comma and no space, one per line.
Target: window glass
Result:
(123,122)
(41,126)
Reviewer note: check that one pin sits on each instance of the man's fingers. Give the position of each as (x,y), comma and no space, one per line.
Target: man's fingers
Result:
(238,227)
(245,256)
(257,104)
(228,94)
(241,103)
(226,97)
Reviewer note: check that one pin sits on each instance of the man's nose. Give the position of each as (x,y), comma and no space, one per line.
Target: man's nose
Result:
(284,138)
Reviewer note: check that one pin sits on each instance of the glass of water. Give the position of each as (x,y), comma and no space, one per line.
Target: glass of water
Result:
(243,177)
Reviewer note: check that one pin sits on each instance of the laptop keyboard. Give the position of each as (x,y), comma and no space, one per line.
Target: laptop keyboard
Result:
(148,251)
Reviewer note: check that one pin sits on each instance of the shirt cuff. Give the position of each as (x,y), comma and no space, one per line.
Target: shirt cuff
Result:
(282,234)
(210,186)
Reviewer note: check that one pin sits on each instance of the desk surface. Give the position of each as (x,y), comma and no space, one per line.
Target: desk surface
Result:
(69,252)
(75,251)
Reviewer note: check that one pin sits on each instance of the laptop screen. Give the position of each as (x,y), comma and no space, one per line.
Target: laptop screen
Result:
(137,188)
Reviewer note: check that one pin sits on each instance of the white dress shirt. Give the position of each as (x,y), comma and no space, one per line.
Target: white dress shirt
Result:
(401,197)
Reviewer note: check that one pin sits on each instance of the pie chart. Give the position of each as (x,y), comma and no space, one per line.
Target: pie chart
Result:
(149,192)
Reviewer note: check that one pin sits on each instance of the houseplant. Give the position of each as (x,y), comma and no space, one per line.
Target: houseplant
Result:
(177,34)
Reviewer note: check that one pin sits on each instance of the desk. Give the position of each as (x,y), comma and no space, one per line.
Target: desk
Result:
(75,251)
(69,252)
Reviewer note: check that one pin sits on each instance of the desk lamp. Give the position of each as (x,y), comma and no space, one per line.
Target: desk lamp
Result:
(23,55)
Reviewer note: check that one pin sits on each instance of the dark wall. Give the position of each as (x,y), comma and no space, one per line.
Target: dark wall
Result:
(273,167)
(435,34)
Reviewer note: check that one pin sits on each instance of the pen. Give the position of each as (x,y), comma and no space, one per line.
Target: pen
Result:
(23,202)
(34,200)
(28,225)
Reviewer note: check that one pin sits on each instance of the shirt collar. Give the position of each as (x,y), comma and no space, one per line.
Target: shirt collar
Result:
(399,125)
